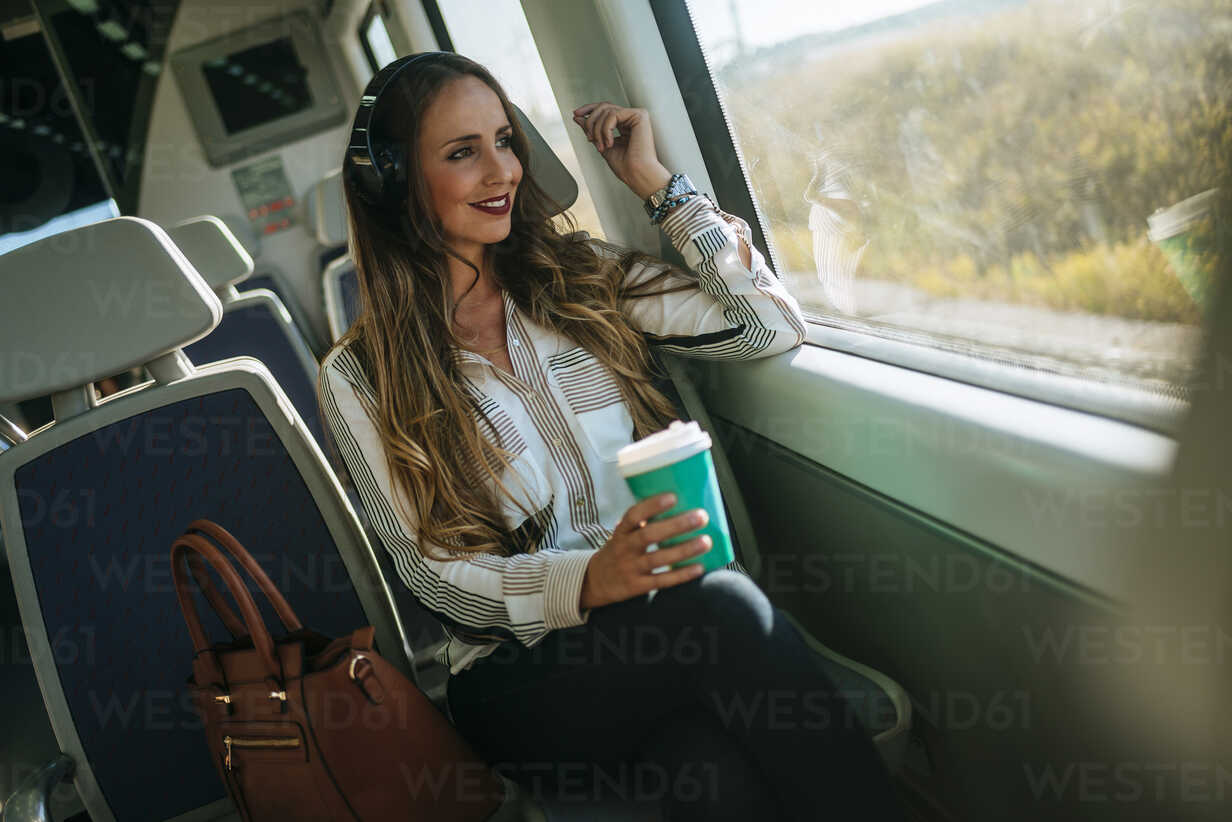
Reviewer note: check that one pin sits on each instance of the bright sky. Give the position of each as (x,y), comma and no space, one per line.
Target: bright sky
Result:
(763,22)
(495,33)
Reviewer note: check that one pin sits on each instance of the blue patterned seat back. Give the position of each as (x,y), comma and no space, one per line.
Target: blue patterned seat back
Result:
(253,331)
(348,285)
(99,515)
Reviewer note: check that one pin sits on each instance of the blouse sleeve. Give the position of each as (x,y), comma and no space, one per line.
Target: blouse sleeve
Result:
(733,312)
(520,597)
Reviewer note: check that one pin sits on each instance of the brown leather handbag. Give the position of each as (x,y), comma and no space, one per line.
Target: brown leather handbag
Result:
(306,728)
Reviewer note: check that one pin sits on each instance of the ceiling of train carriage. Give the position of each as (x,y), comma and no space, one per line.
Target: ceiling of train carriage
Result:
(75,136)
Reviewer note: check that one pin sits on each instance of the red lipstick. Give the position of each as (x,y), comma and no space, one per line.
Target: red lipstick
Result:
(496,206)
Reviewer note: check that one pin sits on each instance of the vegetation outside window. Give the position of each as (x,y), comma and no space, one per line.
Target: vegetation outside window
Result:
(981,172)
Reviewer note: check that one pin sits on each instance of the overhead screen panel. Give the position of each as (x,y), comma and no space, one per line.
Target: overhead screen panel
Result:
(258,88)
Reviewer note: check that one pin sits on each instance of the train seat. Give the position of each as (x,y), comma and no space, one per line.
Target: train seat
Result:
(340,286)
(339,281)
(255,323)
(268,276)
(325,218)
(91,503)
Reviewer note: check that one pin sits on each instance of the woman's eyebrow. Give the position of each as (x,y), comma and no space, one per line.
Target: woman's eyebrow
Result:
(465,137)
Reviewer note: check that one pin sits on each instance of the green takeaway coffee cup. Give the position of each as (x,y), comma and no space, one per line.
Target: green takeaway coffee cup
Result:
(1185,232)
(677,460)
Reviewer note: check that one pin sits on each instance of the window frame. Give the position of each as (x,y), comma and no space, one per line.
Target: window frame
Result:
(708,115)
(375,8)
(437,20)
(1023,375)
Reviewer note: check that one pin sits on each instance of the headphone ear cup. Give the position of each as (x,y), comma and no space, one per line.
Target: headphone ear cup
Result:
(393,173)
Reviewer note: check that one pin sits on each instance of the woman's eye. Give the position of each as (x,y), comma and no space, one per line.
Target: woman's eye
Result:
(460,153)
(506,141)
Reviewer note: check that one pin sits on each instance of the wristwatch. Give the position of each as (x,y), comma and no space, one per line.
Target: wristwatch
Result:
(677,187)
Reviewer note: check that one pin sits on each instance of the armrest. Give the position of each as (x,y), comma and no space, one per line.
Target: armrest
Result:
(29,803)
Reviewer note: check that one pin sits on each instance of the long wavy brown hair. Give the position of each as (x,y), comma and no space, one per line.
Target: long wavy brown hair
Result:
(427,419)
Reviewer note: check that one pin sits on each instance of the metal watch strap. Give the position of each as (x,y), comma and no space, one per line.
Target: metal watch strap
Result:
(676,187)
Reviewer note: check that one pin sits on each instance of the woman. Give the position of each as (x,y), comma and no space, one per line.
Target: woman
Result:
(479,402)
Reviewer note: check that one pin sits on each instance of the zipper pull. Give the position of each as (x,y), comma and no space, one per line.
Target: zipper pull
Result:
(226,740)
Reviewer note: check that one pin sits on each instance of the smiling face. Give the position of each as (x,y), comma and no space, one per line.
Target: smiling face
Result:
(469,168)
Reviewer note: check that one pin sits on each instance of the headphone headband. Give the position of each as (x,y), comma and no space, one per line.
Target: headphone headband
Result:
(377,168)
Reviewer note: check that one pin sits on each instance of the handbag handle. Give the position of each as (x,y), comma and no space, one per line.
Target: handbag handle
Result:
(233,624)
(261,640)
(233,547)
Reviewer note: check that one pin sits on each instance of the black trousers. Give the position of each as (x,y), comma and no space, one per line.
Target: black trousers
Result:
(701,697)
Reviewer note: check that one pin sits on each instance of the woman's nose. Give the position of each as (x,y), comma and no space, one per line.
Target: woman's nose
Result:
(502,167)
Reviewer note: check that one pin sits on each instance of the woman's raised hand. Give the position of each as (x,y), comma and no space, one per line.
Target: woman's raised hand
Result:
(622,567)
(624,137)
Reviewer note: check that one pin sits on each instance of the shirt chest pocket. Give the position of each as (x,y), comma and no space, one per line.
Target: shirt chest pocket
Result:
(593,394)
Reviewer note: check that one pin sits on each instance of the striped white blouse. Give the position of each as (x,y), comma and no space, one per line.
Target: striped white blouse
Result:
(562,414)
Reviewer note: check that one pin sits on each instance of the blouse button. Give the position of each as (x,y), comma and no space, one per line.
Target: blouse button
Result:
(515,341)
(556,441)
(579,503)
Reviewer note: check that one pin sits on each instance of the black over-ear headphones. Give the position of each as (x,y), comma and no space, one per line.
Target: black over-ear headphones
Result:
(375,166)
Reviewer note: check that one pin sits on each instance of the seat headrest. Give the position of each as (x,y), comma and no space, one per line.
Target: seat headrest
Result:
(213,250)
(549,172)
(96,301)
(326,209)
(242,228)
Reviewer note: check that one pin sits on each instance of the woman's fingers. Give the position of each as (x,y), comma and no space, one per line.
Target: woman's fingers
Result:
(642,511)
(583,110)
(676,553)
(669,578)
(600,121)
(611,121)
(590,118)
(673,526)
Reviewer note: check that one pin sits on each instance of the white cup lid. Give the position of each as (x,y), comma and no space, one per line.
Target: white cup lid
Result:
(678,441)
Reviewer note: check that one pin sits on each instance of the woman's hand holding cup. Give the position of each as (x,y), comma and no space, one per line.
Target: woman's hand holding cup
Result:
(623,568)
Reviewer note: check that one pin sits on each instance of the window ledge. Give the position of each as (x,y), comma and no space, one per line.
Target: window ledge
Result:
(1054,486)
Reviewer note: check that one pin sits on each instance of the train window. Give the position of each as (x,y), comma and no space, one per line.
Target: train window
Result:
(48,179)
(103,210)
(497,35)
(112,54)
(1032,181)
(374,37)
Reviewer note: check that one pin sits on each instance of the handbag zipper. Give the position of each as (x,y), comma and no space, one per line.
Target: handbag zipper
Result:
(257,742)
